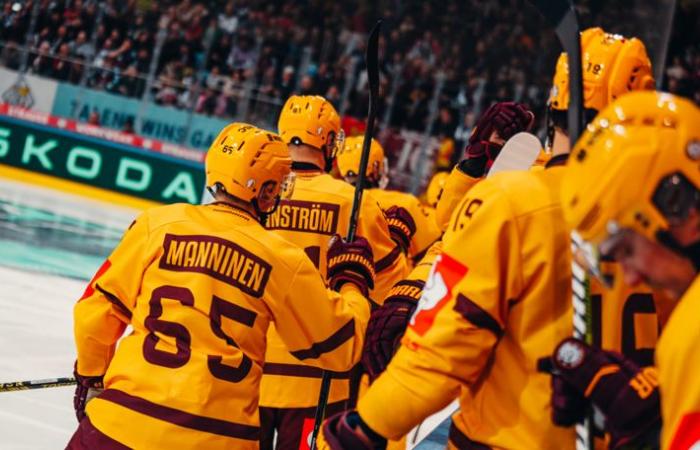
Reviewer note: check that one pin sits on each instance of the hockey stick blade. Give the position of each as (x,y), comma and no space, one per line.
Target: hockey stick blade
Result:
(562,16)
(36,384)
(372,63)
(518,153)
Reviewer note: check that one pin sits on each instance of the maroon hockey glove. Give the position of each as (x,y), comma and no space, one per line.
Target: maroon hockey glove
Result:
(402,227)
(351,262)
(626,394)
(347,431)
(479,158)
(87,388)
(505,118)
(387,325)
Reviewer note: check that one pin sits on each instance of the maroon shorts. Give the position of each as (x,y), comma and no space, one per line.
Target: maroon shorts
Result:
(87,437)
(293,426)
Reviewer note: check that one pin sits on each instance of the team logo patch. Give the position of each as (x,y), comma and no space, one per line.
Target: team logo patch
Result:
(444,275)
(570,354)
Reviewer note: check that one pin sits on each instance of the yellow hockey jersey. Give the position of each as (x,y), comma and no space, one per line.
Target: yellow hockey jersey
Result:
(677,360)
(427,231)
(200,285)
(320,207)
(456,186)
(498,298)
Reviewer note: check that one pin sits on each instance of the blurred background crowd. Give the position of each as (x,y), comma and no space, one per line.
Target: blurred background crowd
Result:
(441,62)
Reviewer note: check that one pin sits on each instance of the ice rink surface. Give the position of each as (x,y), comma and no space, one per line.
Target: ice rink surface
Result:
(50,245)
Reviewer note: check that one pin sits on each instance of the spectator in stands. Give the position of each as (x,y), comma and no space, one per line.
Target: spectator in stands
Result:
(81,47)
(42,64)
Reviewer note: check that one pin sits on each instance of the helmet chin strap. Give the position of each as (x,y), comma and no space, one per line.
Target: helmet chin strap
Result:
(691,252)
(263,215)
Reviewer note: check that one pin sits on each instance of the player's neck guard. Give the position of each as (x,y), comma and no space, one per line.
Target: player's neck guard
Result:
(303,166)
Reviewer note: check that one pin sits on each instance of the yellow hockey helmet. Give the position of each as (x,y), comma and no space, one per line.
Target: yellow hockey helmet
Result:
(612,65)
(637,166)
(311,120)
(247,160)
(437,182)
(348,160)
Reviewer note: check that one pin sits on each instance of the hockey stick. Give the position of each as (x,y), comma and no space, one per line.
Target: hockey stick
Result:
(518,153)
(372,63)
(562,15)
(36,384)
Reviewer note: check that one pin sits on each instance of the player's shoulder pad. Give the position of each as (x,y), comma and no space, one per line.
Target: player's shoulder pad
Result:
(525,191)
(159,216)
(502,198)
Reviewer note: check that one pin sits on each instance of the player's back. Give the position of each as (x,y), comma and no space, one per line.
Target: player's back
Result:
(508,405)
(205,280)
(320,207)
(497,299)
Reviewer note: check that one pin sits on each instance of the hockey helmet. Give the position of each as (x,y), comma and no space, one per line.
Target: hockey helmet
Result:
(637,167)
(612,65)
(348,160)
(311,120)
(248,162)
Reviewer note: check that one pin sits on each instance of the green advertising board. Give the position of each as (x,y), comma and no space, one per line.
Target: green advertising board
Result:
(108,165)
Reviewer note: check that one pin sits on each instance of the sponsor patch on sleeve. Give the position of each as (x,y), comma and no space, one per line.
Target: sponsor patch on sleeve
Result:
(444,275)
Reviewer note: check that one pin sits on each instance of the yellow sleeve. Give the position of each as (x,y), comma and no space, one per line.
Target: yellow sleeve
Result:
(677,361)
(456,186)
(319,326)
(421,270)
(102,313)
(459,318)
(427,231)
(390,263)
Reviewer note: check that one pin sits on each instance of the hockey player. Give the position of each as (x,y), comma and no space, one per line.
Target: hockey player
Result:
(200,285)
(625,317)
(632,191)
(319,208)
(409,222)
(388,323)
(482,292)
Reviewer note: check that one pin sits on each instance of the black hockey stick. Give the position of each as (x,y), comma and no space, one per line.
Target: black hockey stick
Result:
(36,384)
(372,63)
(562,16)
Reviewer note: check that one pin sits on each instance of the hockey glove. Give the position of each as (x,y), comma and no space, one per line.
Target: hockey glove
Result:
(402,227)
(87,388)
(506,119)
(351,262)
(347,431)
(626,394)
(387,325)
(479,158)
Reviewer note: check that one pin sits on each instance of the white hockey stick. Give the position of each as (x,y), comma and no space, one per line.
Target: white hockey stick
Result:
(518,153)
